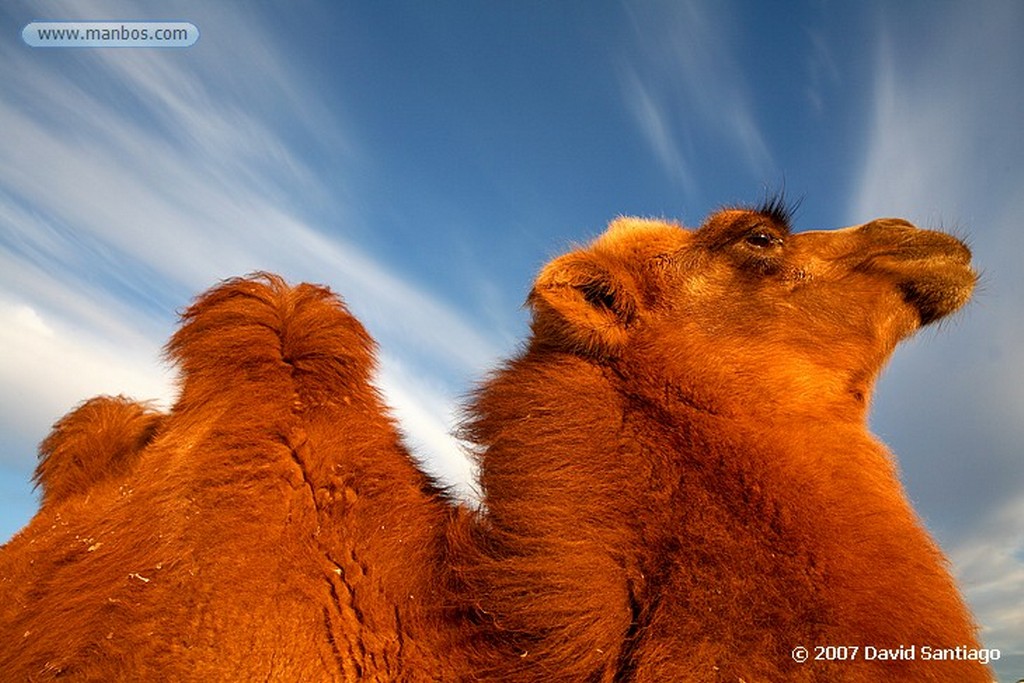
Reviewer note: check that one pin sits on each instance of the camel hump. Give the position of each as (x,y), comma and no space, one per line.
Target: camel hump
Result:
(99,440)
(261,336)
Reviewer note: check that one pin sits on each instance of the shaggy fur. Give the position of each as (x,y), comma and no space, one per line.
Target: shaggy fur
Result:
(267,531)
(678,485)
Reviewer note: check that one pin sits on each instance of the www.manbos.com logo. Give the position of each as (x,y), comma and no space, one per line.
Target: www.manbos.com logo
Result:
(110,34)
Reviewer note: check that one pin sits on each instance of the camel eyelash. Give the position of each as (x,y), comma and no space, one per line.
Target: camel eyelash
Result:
(778,209)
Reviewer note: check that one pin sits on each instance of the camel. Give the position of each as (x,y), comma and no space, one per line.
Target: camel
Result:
(678,484)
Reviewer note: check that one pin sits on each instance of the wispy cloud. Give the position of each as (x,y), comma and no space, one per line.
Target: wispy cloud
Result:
(993,567)
(655,123)
(51,364)
(683,82)
(821,69)
(425,411)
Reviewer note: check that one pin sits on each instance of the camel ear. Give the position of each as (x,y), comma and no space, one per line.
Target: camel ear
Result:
(582,306)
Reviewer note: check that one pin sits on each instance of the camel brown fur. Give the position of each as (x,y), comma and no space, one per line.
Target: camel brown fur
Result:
(274,528)
(679,481)
(678,485)
(99,440)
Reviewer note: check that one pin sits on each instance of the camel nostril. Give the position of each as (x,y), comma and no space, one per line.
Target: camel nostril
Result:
(897,223)
(888,224)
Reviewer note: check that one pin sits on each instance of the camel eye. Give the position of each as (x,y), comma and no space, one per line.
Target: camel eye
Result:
(762,239)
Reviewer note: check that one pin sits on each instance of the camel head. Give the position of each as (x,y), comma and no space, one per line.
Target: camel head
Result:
(764,317)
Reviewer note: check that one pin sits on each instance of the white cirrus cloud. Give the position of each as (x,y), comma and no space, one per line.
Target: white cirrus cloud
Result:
(130,181)
(686,82)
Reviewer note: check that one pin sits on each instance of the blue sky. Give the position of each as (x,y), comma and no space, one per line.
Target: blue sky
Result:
(425,159)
